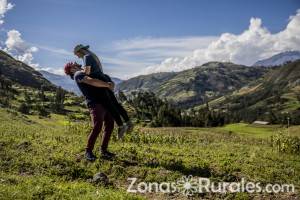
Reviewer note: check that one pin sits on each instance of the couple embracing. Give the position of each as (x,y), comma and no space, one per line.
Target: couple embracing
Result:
(97,88)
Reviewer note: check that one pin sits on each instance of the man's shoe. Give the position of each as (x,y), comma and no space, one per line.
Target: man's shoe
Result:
(107,155)
(121,131)
(130,126)
(90,156)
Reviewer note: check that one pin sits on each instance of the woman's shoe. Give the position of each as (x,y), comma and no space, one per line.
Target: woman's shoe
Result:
(130,126)
(121,131)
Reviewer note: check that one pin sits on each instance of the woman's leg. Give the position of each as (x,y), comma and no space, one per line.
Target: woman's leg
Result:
(110,106)
(118,106)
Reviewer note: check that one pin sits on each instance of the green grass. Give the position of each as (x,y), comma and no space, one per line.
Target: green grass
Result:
(43,159)
(259,131)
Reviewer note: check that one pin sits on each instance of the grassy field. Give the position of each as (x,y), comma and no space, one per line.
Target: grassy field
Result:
(43,159)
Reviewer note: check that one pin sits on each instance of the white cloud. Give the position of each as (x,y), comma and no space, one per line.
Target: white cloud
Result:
(4,7)
(253,44)
(14,43)
(127,58)
(21,50)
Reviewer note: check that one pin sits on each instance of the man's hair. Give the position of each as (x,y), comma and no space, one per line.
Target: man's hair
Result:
(68,68)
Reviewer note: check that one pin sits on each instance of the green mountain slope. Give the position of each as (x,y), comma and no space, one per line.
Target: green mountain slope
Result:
(24,89)
(195,86)
(146,82)
(276,95)
(19,72)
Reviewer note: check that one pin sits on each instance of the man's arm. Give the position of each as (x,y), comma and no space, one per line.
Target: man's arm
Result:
(96,82)
(110,81)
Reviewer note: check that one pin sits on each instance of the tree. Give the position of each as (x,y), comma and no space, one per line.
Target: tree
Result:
(42,111)
(27,98)
(58,104)
(41,94)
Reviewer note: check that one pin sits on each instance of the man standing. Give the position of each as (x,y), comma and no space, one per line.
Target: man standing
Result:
(93,68)
(90,89)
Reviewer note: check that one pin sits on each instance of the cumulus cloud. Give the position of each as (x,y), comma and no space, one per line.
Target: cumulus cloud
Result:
(255,43)
(21,50)
(4,7)
(14,43)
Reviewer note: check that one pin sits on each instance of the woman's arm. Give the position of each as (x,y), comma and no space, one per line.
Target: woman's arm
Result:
(87,70)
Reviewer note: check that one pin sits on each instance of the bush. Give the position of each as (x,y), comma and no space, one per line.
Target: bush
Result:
(42,111)
(24,108)
(286,143)
(77,116)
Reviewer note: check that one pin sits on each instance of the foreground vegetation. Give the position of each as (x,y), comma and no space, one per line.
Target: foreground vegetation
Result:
(42,158)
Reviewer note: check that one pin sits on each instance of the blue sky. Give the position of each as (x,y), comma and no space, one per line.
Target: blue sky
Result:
(131,35)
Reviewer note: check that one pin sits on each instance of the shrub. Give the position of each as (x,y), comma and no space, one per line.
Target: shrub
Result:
(24,108)
(42,111)
(286,143)
(77,116)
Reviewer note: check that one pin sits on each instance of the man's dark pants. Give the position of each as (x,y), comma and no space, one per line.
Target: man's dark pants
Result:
(98,116)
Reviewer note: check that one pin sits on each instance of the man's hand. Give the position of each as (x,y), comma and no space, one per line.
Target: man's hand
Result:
(87,70)
(111,85)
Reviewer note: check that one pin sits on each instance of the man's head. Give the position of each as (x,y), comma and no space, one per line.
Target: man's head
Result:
(81,50)
(72,67)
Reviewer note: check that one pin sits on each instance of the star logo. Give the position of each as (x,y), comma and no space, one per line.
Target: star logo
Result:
(187,185)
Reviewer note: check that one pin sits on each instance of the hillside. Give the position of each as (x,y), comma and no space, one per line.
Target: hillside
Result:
(146,82)
(195,86)
(279,59)
(24,89)
(21,73)
(270,98)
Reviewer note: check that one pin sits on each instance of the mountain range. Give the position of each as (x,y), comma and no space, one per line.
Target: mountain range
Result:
(204,83)
(197,85)
(220,83)
(279,59)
